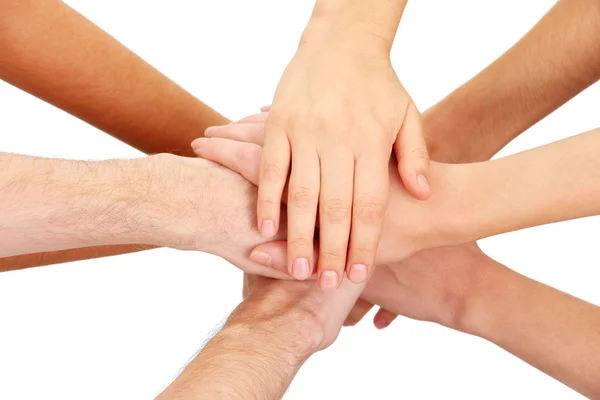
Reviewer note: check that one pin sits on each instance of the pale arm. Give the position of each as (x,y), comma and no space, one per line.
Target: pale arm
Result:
(265,341)
(552,183)
(69,58)
(49,204)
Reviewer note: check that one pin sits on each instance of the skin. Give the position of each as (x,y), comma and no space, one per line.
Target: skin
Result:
(66,75)
(265,341)
(338,112)
(534,190)
(161,200)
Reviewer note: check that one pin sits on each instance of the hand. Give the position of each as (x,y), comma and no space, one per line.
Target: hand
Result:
(410,225)
(295,309)
(438,285)
(199,205)
(337,115)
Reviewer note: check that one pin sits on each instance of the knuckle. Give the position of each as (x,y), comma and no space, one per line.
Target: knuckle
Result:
(302,198)
(364,251)
(272,172)
(333,258)
(268,203)
(301,243)
(249,154)
(336,210)
(421,153)
(369,210)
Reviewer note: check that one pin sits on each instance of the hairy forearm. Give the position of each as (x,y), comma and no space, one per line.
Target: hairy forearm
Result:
(243,361)
(84,71)
(556,333)
(56,54)
(556,60)
(52,204)
(552,183)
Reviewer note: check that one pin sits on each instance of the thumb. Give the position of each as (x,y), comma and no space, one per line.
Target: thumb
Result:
(413,158)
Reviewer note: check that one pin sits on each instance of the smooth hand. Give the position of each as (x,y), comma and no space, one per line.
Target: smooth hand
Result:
(410,225)
(336,117)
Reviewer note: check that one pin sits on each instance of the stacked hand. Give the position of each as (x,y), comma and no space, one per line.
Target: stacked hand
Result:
(397,287)
(337,115)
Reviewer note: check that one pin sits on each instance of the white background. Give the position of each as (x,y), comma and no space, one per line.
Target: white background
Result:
(120,328)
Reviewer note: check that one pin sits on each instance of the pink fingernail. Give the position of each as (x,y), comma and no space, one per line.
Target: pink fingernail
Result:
(422,181)
(329,280)
(300,268)
(358,273)
(381,323)
(260,257)
(268,228)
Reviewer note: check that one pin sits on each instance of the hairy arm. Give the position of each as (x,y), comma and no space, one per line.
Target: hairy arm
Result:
(56,54)
(57,204)
(265,341)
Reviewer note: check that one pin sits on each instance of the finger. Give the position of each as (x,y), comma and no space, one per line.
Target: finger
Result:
(371,187)
(383,318)
(254,118)
(335,205)
(243,158)
(265,108)
(242,132)
(412,155)
(274,255)
(303,199)
(273,173)
(361,308)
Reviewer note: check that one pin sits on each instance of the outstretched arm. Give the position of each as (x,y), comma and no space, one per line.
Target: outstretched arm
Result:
(265,341)
(86,72)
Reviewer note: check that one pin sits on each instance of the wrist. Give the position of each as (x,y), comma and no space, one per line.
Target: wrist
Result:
(490,297)
(365,28)
(290,337)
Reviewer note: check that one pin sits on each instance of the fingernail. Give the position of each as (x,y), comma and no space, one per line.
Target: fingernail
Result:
(268,228)
(358,273)
(422,181)
(260,257)
(329,279)
(199,142)
(381,323)
(300,268)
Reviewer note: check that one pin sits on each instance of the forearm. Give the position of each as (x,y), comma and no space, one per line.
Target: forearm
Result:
(52,205)
(556,333)
(247,361)
(62,256)
(360,26)
(552,183)
(556,60)
(109,87)
(56,54)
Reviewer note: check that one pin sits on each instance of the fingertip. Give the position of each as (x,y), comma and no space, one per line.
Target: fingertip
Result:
(380,322)
(197,143)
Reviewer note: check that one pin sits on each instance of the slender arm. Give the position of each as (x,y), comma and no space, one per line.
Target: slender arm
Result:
(555,333)
(557,59)
(552,183)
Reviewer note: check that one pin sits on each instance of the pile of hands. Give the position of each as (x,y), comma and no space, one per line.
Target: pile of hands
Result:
(366,209)
(367,214)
